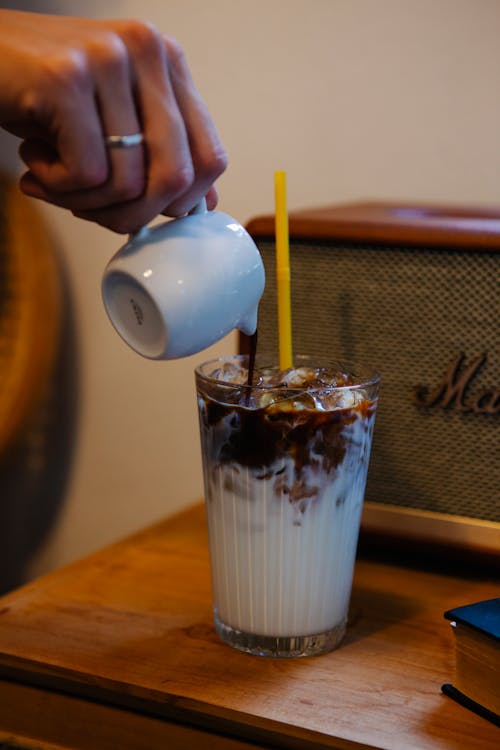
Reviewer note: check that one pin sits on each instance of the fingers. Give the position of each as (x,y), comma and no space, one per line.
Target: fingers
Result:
(119,116)
(119,78)
(169,165)
(184,153)
(212,198)
(207,153)
(73,155)
(117,221)
(126,169)
(47,94)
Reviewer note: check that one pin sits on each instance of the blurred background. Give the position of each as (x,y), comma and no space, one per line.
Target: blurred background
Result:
(355,99)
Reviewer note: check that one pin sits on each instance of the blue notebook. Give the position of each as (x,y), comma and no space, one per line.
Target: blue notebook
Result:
(477,675)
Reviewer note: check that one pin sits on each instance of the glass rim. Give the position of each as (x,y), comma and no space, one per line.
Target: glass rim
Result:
(370,379)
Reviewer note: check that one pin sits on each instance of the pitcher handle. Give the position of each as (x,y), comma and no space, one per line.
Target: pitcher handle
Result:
(200,208)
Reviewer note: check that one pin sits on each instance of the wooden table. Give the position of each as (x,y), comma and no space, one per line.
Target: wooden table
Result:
(118,651)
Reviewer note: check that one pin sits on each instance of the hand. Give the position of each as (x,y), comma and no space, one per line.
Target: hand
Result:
(66,83)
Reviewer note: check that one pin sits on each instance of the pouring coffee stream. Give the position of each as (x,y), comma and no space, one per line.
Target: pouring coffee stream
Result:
(252,351)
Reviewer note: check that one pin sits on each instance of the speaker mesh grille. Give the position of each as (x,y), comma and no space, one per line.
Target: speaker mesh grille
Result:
(409,314)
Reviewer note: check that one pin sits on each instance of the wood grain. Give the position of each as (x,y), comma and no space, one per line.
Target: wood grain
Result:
(131,627)
(47,720)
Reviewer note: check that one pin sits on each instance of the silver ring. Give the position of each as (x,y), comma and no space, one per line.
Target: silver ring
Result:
(124,141)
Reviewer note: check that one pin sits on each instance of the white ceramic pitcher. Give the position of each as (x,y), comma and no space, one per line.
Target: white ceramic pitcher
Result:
(176,288)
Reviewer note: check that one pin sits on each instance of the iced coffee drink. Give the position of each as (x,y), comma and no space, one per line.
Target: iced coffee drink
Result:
(285,463)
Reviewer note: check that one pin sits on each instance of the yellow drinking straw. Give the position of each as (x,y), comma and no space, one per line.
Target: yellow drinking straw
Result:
(283,271)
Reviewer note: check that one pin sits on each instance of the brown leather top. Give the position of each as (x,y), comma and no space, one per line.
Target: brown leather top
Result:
(385,223)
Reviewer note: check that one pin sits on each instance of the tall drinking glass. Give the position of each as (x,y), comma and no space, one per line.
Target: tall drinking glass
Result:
(285,463)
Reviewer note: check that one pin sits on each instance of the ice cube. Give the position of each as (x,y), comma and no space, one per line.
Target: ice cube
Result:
(231,372)
(328,399)
(297,377)
(287,400)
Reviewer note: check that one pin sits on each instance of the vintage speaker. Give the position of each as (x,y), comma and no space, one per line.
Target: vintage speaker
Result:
(413,291)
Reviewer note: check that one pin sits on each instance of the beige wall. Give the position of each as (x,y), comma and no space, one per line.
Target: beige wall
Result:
(355,99)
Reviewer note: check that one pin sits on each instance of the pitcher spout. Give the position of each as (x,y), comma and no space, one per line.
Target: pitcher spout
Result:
(248,324)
